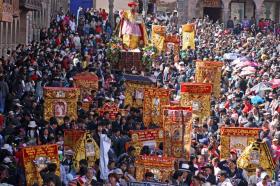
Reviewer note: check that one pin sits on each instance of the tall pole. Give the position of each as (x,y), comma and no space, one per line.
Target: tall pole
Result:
(145,8)
(111,13)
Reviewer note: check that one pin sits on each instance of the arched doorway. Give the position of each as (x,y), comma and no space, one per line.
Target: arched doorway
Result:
(212,9)
(242,9)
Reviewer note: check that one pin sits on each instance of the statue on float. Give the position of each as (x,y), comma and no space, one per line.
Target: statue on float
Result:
(132,29)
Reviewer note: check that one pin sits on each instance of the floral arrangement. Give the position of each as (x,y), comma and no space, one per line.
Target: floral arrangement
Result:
(149,55)
(114,49)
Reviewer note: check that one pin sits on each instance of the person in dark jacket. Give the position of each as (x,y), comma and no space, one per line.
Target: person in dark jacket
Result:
(48,174)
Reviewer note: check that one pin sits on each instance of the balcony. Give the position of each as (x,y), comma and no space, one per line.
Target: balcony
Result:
(6,12)
(16,8)
(30,4)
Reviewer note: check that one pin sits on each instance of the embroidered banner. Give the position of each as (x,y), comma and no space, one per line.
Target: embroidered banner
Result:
(210,72)
(148,137)
(71,137)
(197,96)
(188,36)
(111,108)
(60,102)
(158,36)
(162,167)
(229,135)
(172,44)
(177,126)
(37,157)
(154,99)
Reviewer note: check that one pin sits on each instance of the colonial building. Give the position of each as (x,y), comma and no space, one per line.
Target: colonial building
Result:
(21,20)
(223,9)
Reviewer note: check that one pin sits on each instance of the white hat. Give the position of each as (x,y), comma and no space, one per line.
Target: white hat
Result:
(69,152)
(7,147)
(118,171)
(32,124)
(7,160)
(19,105)
(264,175)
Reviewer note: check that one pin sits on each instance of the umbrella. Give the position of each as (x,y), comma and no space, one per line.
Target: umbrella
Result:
(246,73)
(275,83)
(261,87)
(251,69)
(239,60)
(257,100)
(231,56)
(247,63)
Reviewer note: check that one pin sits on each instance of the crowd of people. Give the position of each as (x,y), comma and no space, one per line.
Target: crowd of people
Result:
(69,47)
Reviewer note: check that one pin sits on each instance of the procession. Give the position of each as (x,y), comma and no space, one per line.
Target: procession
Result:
(144,100)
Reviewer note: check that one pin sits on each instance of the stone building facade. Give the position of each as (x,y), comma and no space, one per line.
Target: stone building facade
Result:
(23,20)
(223,9)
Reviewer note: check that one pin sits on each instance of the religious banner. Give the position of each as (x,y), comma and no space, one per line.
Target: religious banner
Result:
(154,99)
(210,72)
(177,125)
(111,108)
(158,36)
(257,154)
(172,44)
(134,89)
(71,137)
(188,36)
(162,167)
(60,102)
(85,148)
(36,158)
(237,138)
(149,137)
(87,82)
(197,96)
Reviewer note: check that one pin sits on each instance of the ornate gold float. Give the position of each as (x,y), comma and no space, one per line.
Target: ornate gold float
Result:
(257,154)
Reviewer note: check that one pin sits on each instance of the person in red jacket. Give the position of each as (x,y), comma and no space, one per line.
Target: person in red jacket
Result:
(248,107)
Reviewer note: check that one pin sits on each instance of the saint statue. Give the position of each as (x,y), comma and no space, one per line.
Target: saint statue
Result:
(132,28)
